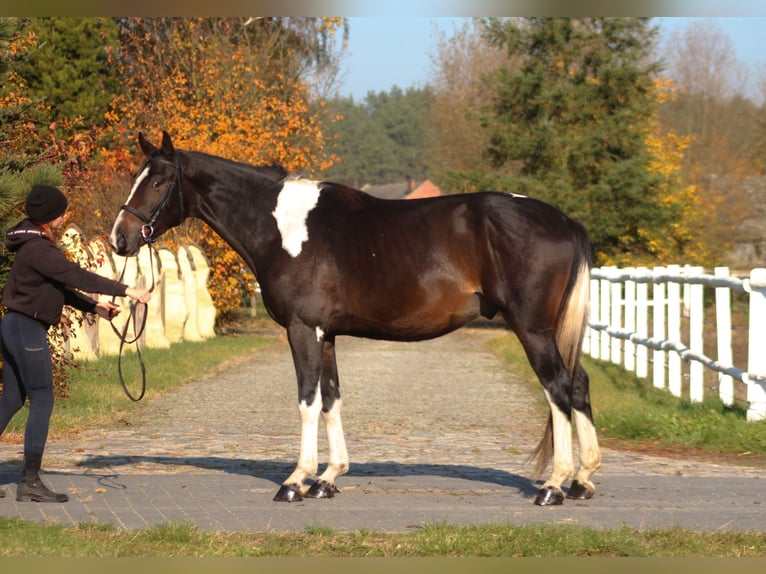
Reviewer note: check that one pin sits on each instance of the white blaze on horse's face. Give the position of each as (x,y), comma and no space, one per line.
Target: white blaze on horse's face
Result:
(117,222)
(296,200)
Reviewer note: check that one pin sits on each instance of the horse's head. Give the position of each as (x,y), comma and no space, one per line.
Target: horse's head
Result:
(155,203)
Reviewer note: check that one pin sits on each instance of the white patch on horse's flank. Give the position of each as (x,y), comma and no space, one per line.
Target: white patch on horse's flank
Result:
(320,334)
(296,199)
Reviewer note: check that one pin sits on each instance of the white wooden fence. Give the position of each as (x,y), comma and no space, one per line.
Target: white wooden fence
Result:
(635,326)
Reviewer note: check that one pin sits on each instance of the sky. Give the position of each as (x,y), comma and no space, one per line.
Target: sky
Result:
(387,51)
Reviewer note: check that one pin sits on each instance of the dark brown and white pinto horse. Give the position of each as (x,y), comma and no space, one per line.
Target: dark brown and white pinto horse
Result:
(332,261)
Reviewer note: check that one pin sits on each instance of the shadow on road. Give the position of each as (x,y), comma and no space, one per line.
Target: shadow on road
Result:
(277,471)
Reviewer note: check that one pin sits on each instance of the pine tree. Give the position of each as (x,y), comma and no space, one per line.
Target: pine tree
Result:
(71,67)
(574,119)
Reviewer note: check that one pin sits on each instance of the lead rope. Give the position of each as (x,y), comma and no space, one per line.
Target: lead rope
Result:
(134,305)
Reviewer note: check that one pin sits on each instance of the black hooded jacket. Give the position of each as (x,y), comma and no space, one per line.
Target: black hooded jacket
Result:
(42,280)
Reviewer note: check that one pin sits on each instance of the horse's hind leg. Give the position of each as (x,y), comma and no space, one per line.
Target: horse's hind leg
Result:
(544,357)
(590,455)
(337,464)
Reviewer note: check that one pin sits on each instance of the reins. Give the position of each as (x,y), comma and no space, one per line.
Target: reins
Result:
(123,335)
(147,234)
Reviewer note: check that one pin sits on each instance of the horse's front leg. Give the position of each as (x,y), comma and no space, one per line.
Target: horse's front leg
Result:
(337,465)
(306,349)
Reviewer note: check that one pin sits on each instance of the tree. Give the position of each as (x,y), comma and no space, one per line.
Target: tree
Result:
(712,111)
(574,119)
(463,64)
(30,153)
(233,87)
(70,68)
(23,150)
(382,139)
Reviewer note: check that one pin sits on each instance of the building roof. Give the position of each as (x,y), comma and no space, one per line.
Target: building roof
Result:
(425,189)
(403,190)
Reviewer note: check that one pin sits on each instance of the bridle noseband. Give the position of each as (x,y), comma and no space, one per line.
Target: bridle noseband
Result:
(147,230)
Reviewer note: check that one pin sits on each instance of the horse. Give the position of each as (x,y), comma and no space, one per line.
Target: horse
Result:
(332,260)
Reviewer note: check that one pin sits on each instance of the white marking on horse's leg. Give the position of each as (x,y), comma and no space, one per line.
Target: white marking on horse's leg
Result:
(121,215)
(590,454)
(563,465)
(337,463)
(296,199)
(308,458)
(320,334)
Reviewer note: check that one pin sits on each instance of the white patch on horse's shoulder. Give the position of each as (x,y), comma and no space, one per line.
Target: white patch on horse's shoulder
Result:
(296,199)
(320,334)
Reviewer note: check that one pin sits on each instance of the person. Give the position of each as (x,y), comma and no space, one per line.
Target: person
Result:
(40,282)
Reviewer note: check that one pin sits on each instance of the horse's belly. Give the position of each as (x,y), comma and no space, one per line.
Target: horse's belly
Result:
(415,323)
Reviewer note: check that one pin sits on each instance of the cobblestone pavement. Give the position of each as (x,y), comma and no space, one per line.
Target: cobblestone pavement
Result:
(436,431)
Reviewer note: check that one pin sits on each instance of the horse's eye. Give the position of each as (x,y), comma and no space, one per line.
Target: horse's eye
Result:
(155,184)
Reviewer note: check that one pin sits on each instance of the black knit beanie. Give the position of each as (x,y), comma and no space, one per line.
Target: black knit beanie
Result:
(45,203)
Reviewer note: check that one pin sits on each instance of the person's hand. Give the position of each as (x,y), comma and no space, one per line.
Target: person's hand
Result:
(139,294)
(107,310)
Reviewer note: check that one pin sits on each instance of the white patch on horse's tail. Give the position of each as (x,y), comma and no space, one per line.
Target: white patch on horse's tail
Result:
(296,200)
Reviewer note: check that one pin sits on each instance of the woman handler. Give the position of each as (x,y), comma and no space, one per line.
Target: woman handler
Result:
(41,281)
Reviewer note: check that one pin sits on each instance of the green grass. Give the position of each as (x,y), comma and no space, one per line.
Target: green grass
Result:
(629,409)
(182,540)
(96,397)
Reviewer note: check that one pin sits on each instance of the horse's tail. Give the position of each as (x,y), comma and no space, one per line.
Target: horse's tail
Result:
(570,331)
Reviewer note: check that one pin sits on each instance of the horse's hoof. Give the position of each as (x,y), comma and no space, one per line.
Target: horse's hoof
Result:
(322,489)
(580,491)
(549,497)
(288,493)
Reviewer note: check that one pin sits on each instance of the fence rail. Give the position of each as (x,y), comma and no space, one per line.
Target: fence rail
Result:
(628,320)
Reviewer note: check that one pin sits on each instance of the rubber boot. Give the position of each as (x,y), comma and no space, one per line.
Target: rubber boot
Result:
(31,487)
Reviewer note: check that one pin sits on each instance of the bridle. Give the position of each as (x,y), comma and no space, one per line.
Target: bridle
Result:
(147,230)
(147,234)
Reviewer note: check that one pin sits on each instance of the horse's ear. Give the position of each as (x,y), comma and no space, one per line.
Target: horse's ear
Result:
(167,146)
(146,146)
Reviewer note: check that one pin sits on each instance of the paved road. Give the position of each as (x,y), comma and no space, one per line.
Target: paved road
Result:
(437,432)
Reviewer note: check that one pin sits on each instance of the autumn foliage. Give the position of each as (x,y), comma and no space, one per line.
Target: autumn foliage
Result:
(204,82)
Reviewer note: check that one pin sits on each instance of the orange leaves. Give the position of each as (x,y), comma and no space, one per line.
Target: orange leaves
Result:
(228,87)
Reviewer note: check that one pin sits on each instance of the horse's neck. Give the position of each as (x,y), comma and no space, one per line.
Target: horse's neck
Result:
(238,209)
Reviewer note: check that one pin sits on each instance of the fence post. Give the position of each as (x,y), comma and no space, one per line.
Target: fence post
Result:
(696,336)
(674,331)
(630,321)
(723,337)
(616,321)
(756,357)
(592,342)
(605,291)
(658,330)
(642,323)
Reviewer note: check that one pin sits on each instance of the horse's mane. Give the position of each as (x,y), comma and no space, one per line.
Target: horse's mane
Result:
(272,170)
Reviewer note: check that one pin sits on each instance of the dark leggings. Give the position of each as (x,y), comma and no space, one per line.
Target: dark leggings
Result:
(27,372)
